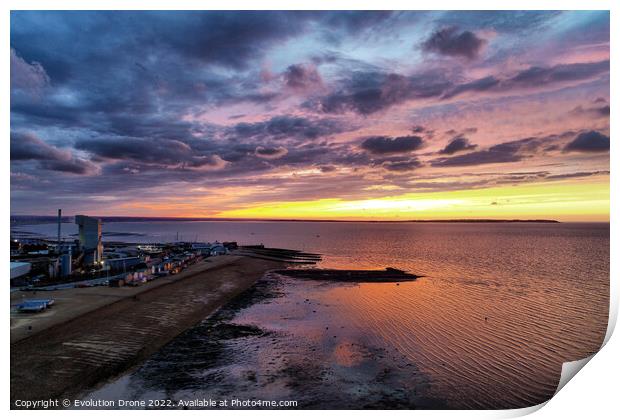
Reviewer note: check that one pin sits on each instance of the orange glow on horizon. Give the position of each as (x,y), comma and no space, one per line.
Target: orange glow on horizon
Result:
(562,200)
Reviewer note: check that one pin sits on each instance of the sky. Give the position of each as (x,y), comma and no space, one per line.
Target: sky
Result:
(346,115)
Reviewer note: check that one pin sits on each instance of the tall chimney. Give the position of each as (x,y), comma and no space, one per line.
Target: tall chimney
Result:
(59,218)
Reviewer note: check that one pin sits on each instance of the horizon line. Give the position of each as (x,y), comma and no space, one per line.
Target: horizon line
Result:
(229,219)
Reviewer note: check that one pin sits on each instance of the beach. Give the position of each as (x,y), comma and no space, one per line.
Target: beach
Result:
(93,334)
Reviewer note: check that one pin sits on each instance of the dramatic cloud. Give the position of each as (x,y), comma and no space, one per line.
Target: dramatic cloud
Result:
(457,144)
(300,76)
(25,146)
(381,145)
(513,151)
(29,77)
(248,107)
(370,92)
(270,152)
(28,147)
(228,39)
(449,41)
(590,141)
(558,73)
(533,77)
(286,126)
(161,152)
(73,166)
(367,93)
(404,165)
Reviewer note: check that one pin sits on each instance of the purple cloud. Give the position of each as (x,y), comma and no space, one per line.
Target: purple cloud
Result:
(383,145)
(457,144)
(588,142)
(451,42)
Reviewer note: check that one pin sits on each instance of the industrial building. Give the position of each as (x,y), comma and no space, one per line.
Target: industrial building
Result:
(65,265)
(91,243)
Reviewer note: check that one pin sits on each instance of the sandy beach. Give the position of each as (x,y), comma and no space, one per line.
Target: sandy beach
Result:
(93,334)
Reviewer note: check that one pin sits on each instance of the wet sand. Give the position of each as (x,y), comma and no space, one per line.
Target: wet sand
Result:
(97,333)
(278,340)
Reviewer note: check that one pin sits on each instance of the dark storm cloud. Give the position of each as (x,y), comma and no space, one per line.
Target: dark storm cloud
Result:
(478,158)
(150,126)
(209,37)
(270,152)
(288,127)
(300,76)
(380,145)
(589,141)
(451,42)
(160,68)
(192,160)
(28,147)
(159,152)
(512,151)
(457,144)
(46,115)
(73,166)
(161,71)
(369,92)
(230,39)
(402,165)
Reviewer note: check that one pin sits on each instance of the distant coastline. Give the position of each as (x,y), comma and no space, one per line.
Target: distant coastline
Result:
(32,219)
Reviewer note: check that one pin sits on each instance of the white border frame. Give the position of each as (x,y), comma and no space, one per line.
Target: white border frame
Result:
(593,394)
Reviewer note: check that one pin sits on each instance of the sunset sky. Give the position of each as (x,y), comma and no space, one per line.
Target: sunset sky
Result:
(313,115)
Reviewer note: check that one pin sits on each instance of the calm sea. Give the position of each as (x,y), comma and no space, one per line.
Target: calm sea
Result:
(502,306)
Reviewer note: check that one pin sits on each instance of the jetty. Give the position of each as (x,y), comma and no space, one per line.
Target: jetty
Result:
(389,275)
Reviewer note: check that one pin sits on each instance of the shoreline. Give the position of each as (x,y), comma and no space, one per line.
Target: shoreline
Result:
(87,347)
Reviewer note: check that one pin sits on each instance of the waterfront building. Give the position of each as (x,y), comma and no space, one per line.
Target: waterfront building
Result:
(90,237)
